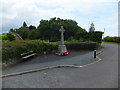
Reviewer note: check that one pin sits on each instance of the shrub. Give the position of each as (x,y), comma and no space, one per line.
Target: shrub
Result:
(95,36)
(82,45)
(12,50)
(112,39)
(8,36)
(4,37)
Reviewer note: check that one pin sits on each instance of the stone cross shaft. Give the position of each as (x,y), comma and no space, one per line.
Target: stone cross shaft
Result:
(62,35)
(62,47)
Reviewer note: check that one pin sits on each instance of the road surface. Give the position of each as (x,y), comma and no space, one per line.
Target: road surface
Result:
(75,58)
(103,74)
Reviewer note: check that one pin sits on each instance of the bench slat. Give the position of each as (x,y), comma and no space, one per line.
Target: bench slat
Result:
(26,53)
(29,56)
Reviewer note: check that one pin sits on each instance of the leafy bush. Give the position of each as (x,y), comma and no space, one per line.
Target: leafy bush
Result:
(95,36)
(112,39)
(8,36)
(4,37)
(12,50)
(82,45)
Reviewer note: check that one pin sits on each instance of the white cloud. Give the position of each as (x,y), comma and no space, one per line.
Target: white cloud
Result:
(32,11)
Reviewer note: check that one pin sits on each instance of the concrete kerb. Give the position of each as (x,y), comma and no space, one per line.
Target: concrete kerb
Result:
(58,66)
(36,70)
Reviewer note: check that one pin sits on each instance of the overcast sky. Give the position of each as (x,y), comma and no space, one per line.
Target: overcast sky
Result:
(103,13)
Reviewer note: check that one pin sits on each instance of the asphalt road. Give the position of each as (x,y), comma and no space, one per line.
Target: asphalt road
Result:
(103,74)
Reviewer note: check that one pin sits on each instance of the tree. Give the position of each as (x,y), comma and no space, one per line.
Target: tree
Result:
(23,32)
(96,36)
(49,29)
(24,24)
(4,37)
(32,27)
(32,34)
(80,34)
(112,39)
(8,36)
(92,28)
(11,30)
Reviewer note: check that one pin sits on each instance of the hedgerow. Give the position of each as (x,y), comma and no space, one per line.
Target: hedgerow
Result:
(82,45)
(13,49)
(112,39)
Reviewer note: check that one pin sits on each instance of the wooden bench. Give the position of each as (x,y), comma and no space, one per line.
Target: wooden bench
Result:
(27,54)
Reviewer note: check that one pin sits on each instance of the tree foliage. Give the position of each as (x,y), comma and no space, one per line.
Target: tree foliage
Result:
(49,30)
(112,39)
(8,36)
(23,31)
(96,36)
(24,24)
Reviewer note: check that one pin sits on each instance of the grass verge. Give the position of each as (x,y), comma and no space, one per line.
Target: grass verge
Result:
(111,42)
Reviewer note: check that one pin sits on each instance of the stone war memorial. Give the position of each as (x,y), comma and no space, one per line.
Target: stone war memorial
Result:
(62,47)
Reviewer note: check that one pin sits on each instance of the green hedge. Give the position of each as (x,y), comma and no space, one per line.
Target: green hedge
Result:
(8,36)
(12,50)
(112,39)
(95,36)
(82,45)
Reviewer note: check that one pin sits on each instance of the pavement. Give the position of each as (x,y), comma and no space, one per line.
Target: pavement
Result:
(78,58)
(103,74)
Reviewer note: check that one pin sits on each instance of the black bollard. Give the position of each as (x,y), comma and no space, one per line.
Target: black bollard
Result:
(94,53)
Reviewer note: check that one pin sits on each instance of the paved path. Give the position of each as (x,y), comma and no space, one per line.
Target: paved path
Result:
(103,74)
(52,60)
